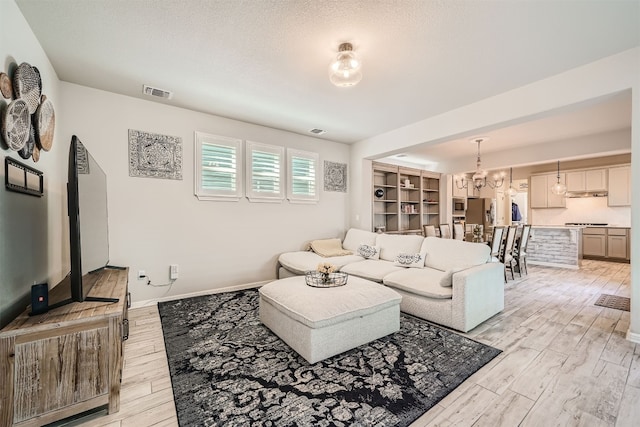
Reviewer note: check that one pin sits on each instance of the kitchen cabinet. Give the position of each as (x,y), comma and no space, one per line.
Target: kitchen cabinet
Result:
(587,180)
(540,192)
(620,186)
(594,242)
(464,193)
(610,243)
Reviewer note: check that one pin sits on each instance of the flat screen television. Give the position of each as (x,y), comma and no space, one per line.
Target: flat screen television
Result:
(88,222)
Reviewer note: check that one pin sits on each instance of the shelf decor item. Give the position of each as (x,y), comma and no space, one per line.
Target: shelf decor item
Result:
(379,193)
(325,276)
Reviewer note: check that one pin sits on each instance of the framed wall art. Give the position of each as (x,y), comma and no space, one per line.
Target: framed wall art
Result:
(335,176)
(153,155)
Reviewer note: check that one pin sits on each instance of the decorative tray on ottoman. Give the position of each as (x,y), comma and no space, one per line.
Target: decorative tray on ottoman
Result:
(325,280)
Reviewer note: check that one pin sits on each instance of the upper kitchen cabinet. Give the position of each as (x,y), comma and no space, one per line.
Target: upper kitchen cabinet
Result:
(587,181)
(540,192)
(620,186)
(463,193)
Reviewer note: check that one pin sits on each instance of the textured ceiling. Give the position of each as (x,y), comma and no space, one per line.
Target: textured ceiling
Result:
(266,61)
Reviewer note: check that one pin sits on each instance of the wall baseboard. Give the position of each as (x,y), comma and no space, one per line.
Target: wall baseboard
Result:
(633,337)
(155,301)
(553,264)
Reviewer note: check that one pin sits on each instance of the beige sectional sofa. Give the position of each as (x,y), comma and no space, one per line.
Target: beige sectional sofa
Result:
(450,282)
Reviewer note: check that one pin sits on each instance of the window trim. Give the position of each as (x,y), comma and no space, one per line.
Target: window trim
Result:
(297,198)
(258,196)
(218,195)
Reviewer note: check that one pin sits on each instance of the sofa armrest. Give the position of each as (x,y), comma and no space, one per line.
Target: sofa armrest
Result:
(478,294)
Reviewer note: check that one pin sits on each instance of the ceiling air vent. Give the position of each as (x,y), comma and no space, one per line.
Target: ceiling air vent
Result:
(154,91)
(317,131)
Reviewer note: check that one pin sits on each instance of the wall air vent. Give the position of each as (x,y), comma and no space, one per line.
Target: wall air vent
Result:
(154,91)
(317,131)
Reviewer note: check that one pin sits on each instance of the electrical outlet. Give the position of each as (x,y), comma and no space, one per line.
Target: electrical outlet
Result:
(173,271)
(141,274)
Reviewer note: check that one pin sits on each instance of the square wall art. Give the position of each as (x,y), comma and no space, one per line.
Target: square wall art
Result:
(154,156)
(335,176)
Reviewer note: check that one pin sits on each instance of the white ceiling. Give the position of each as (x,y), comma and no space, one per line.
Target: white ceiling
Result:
(266,61)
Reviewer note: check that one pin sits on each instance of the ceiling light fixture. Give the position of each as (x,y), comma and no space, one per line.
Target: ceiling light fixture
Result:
(345,70)
(479,179)
(512,191)
(559,188)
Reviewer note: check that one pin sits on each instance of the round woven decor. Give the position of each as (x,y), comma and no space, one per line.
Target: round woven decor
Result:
(5,86)
(27,85)
(26,151)
(45,120)
(16,124)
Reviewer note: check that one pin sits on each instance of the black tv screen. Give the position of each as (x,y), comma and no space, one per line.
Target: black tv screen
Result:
(88,217)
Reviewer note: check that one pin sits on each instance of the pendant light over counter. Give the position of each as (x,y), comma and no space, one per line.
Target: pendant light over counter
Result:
(559,188)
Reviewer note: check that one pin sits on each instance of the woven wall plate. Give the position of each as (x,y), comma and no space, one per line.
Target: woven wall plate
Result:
(16,124)
(36,154)
(6,87)
(26,151)
(27,85)
(45,121)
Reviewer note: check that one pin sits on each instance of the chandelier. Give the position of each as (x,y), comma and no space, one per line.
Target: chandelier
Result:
(479,178)
(345,70)
(558,188)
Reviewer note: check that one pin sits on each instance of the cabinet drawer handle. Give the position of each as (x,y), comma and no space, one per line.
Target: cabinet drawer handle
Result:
(125,329)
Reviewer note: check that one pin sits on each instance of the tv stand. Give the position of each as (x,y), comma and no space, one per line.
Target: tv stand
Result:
(40,355)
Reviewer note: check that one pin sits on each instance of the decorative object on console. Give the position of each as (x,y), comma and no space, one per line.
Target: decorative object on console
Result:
(335,176)
(153,155)
(345,70)
(559,188)
(479,178)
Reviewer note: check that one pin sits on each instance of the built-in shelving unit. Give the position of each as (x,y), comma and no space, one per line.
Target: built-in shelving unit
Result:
(404,199)
(458,214)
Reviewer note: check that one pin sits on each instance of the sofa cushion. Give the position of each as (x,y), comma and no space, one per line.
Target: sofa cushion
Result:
(392,245)
(448,254)
(415,260)
(300,262)
(356,237)
(369,251)
(424,282)
(370,269)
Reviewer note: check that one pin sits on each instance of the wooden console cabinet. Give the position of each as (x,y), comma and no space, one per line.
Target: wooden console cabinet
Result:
(68,360)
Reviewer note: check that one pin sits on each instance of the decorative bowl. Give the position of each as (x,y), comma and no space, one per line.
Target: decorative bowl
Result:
(325,280)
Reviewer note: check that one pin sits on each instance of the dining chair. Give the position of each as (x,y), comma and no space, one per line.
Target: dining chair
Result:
(520,253)
(429,231)
(458,231)
(496,243)
(445,231)
(506,254)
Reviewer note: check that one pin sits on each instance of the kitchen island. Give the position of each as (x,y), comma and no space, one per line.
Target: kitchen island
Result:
(555,246)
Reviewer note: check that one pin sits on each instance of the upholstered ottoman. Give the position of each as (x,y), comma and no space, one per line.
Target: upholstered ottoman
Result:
(321,322)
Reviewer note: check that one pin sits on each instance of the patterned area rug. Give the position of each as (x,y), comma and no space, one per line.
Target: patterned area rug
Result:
(227,369)
(614,301)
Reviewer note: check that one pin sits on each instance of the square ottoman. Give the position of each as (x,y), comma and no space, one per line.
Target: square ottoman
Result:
(321,322)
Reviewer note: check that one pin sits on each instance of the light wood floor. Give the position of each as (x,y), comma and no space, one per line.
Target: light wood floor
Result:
(565,362)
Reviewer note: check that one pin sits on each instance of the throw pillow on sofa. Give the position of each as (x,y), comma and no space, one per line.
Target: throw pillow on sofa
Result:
(369,251)
(409,260)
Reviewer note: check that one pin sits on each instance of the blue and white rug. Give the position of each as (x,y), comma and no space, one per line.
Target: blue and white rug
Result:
(228,369)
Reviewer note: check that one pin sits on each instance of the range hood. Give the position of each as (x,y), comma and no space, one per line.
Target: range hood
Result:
(580,194)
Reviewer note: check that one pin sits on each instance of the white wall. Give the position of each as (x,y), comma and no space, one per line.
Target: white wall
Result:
(33,245)
(157,222)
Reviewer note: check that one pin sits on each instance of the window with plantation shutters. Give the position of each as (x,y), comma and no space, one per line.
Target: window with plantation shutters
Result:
(218,165)
(302,169)
(265,172)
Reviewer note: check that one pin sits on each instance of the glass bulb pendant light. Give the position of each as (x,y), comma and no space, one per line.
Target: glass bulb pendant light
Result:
(345,70)
(559,188)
